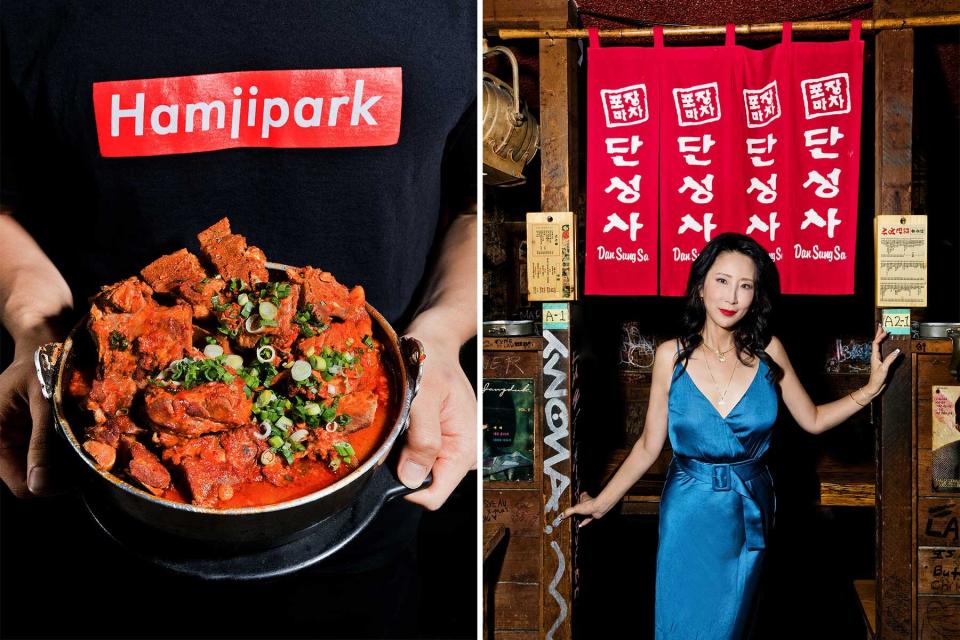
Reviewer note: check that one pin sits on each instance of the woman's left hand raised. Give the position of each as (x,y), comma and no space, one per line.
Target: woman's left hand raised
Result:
(879,367)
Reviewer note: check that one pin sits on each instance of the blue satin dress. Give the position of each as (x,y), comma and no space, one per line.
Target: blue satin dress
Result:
(715,513)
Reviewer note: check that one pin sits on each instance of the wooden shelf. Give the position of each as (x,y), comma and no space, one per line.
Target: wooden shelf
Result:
(867,594)
(643,498)
(846,485)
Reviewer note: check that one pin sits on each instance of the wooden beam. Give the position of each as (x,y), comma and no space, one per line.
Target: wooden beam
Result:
(558,125)
(810,26)
(558,192)
(893,137)
(523,13)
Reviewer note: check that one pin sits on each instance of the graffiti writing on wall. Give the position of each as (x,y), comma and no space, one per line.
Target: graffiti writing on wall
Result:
(555,356)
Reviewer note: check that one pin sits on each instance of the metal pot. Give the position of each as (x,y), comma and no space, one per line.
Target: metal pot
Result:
(248,527)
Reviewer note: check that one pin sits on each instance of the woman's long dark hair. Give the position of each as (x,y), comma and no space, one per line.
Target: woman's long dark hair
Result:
(752,334)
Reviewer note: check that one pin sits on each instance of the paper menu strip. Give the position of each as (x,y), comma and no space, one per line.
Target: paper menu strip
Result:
(551,256)
(901,260)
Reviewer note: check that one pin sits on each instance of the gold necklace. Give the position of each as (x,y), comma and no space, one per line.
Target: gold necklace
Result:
(720,354)
(721,395)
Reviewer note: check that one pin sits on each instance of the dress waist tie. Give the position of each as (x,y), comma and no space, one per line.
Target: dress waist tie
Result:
(733,477)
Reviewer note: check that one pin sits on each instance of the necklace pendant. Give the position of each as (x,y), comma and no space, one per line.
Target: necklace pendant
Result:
(721,357)
(720,401)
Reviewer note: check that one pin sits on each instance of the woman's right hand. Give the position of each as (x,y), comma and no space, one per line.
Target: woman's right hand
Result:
(587,506)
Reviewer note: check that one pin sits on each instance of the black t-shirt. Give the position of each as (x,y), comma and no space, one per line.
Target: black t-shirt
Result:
(368,214)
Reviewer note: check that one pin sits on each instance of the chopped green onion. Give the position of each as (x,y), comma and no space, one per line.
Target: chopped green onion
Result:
(300,371)
(233,361)
(345,449)
(118,341)
(266,354)
(312,409)
(243,299)
(267,457)
(318,363)
(275,441)
(367,340)
(213,350)
(265,398)
(210,340)
(299,435)
(268,310)
(284,422)
(253,324)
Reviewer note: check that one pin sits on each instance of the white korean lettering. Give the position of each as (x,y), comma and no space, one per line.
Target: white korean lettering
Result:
(690,145)
(814,218)
(692,224)
(614,221)
(621,146)
(817,138)
(629,192)
(761,146)
(767,191)
(758,224)
(702,191)
(827,186)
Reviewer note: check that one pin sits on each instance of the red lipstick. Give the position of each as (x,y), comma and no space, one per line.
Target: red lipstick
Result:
(728,312)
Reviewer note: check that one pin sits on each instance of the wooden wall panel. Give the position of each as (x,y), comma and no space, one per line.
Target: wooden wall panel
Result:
(939,618)
(938,571)
(517,635)
(522,560)
(512,610)
(516,509)
(937,536)
(938,522)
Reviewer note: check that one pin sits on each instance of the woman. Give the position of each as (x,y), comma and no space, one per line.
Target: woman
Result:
(713,391)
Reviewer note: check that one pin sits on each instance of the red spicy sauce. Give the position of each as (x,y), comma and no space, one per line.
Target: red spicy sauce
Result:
(308,476)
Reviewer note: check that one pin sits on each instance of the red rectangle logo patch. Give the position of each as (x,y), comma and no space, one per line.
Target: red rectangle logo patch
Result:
(288,109)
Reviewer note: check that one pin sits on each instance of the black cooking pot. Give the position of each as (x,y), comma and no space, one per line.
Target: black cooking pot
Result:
(248,527)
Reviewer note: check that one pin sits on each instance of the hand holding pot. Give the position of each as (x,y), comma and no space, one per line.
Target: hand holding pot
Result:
(26,424)
(442,436)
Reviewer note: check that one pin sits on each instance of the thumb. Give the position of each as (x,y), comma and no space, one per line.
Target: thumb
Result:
(40,473)
(423,441)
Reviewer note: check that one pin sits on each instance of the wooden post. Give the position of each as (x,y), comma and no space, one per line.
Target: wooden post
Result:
(896,603)
(558,189)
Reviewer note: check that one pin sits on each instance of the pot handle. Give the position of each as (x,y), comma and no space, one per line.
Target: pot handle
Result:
(413,357)
(46,360)
(954,334)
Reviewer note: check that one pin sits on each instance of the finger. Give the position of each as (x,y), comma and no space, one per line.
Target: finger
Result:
(893,355)
(13,456)
(423,441)
(584,496)
(578,509)
(447,474)
(14,437)
(40,473)
(875,351)
(585,522)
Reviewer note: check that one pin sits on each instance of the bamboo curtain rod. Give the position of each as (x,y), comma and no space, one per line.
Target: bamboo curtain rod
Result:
(944,20)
